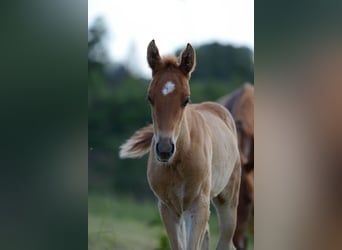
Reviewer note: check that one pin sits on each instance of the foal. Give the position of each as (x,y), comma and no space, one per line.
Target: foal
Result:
(193,158)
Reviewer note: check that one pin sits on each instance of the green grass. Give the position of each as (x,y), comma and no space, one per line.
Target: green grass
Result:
(121,223)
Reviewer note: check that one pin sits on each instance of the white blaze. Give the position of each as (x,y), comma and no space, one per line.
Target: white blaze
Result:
(168,88)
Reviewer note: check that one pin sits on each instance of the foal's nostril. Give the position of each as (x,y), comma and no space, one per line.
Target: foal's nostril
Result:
(158,148)
(172,148)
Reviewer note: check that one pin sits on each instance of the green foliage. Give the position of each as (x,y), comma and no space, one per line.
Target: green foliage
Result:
(224,63)
(115,111)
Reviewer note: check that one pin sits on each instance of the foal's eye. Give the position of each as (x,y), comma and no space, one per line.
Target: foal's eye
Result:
(150,100)
(186,101)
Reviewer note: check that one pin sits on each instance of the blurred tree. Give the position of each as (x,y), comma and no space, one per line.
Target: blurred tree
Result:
(116,108)
(97,49)
(223,63)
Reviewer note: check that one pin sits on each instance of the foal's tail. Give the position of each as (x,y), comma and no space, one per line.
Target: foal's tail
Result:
(139,144)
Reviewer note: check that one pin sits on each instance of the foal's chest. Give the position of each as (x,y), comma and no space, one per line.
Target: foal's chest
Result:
(173,187)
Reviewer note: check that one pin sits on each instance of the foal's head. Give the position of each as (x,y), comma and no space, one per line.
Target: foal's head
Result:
(168,94)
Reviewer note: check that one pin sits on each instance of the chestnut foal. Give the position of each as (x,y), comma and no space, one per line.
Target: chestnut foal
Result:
(194,156)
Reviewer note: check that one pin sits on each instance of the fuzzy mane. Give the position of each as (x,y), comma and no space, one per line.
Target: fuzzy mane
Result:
(169,61)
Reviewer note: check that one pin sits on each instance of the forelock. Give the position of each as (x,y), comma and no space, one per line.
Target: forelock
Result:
(169,62)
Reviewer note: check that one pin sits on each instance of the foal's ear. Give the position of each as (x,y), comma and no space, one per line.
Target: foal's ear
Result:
(188,60)
(153,57)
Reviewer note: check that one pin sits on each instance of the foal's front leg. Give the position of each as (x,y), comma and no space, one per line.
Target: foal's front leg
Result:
(172,225)
(199,213)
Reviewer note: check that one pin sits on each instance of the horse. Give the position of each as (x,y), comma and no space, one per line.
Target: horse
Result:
(193,155)
(241,105)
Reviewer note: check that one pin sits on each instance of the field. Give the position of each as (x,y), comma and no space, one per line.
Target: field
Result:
(123,223)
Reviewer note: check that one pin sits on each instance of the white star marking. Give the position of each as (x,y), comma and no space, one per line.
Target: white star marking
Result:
(168,88)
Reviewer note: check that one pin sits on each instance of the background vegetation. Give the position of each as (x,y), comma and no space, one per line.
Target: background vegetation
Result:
(117,107)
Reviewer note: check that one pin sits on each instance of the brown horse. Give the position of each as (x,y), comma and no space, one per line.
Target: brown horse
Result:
(194,155)
(241,105)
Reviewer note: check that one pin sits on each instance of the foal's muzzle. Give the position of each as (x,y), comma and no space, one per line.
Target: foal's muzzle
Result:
(165,149)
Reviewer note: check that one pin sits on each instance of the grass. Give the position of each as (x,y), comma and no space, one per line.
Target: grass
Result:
(122,223)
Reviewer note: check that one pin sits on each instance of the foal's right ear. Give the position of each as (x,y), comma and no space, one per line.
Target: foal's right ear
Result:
(153,57)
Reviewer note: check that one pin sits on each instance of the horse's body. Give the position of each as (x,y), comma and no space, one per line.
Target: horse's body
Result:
(193,156)
(241,105)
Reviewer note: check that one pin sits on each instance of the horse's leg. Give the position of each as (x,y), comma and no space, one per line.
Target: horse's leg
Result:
(173,227)
(206,237)
(243,214)
(199,214)
(226,206)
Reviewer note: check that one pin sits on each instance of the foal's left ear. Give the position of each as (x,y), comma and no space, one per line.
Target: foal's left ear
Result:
(153,57)
(188,60)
